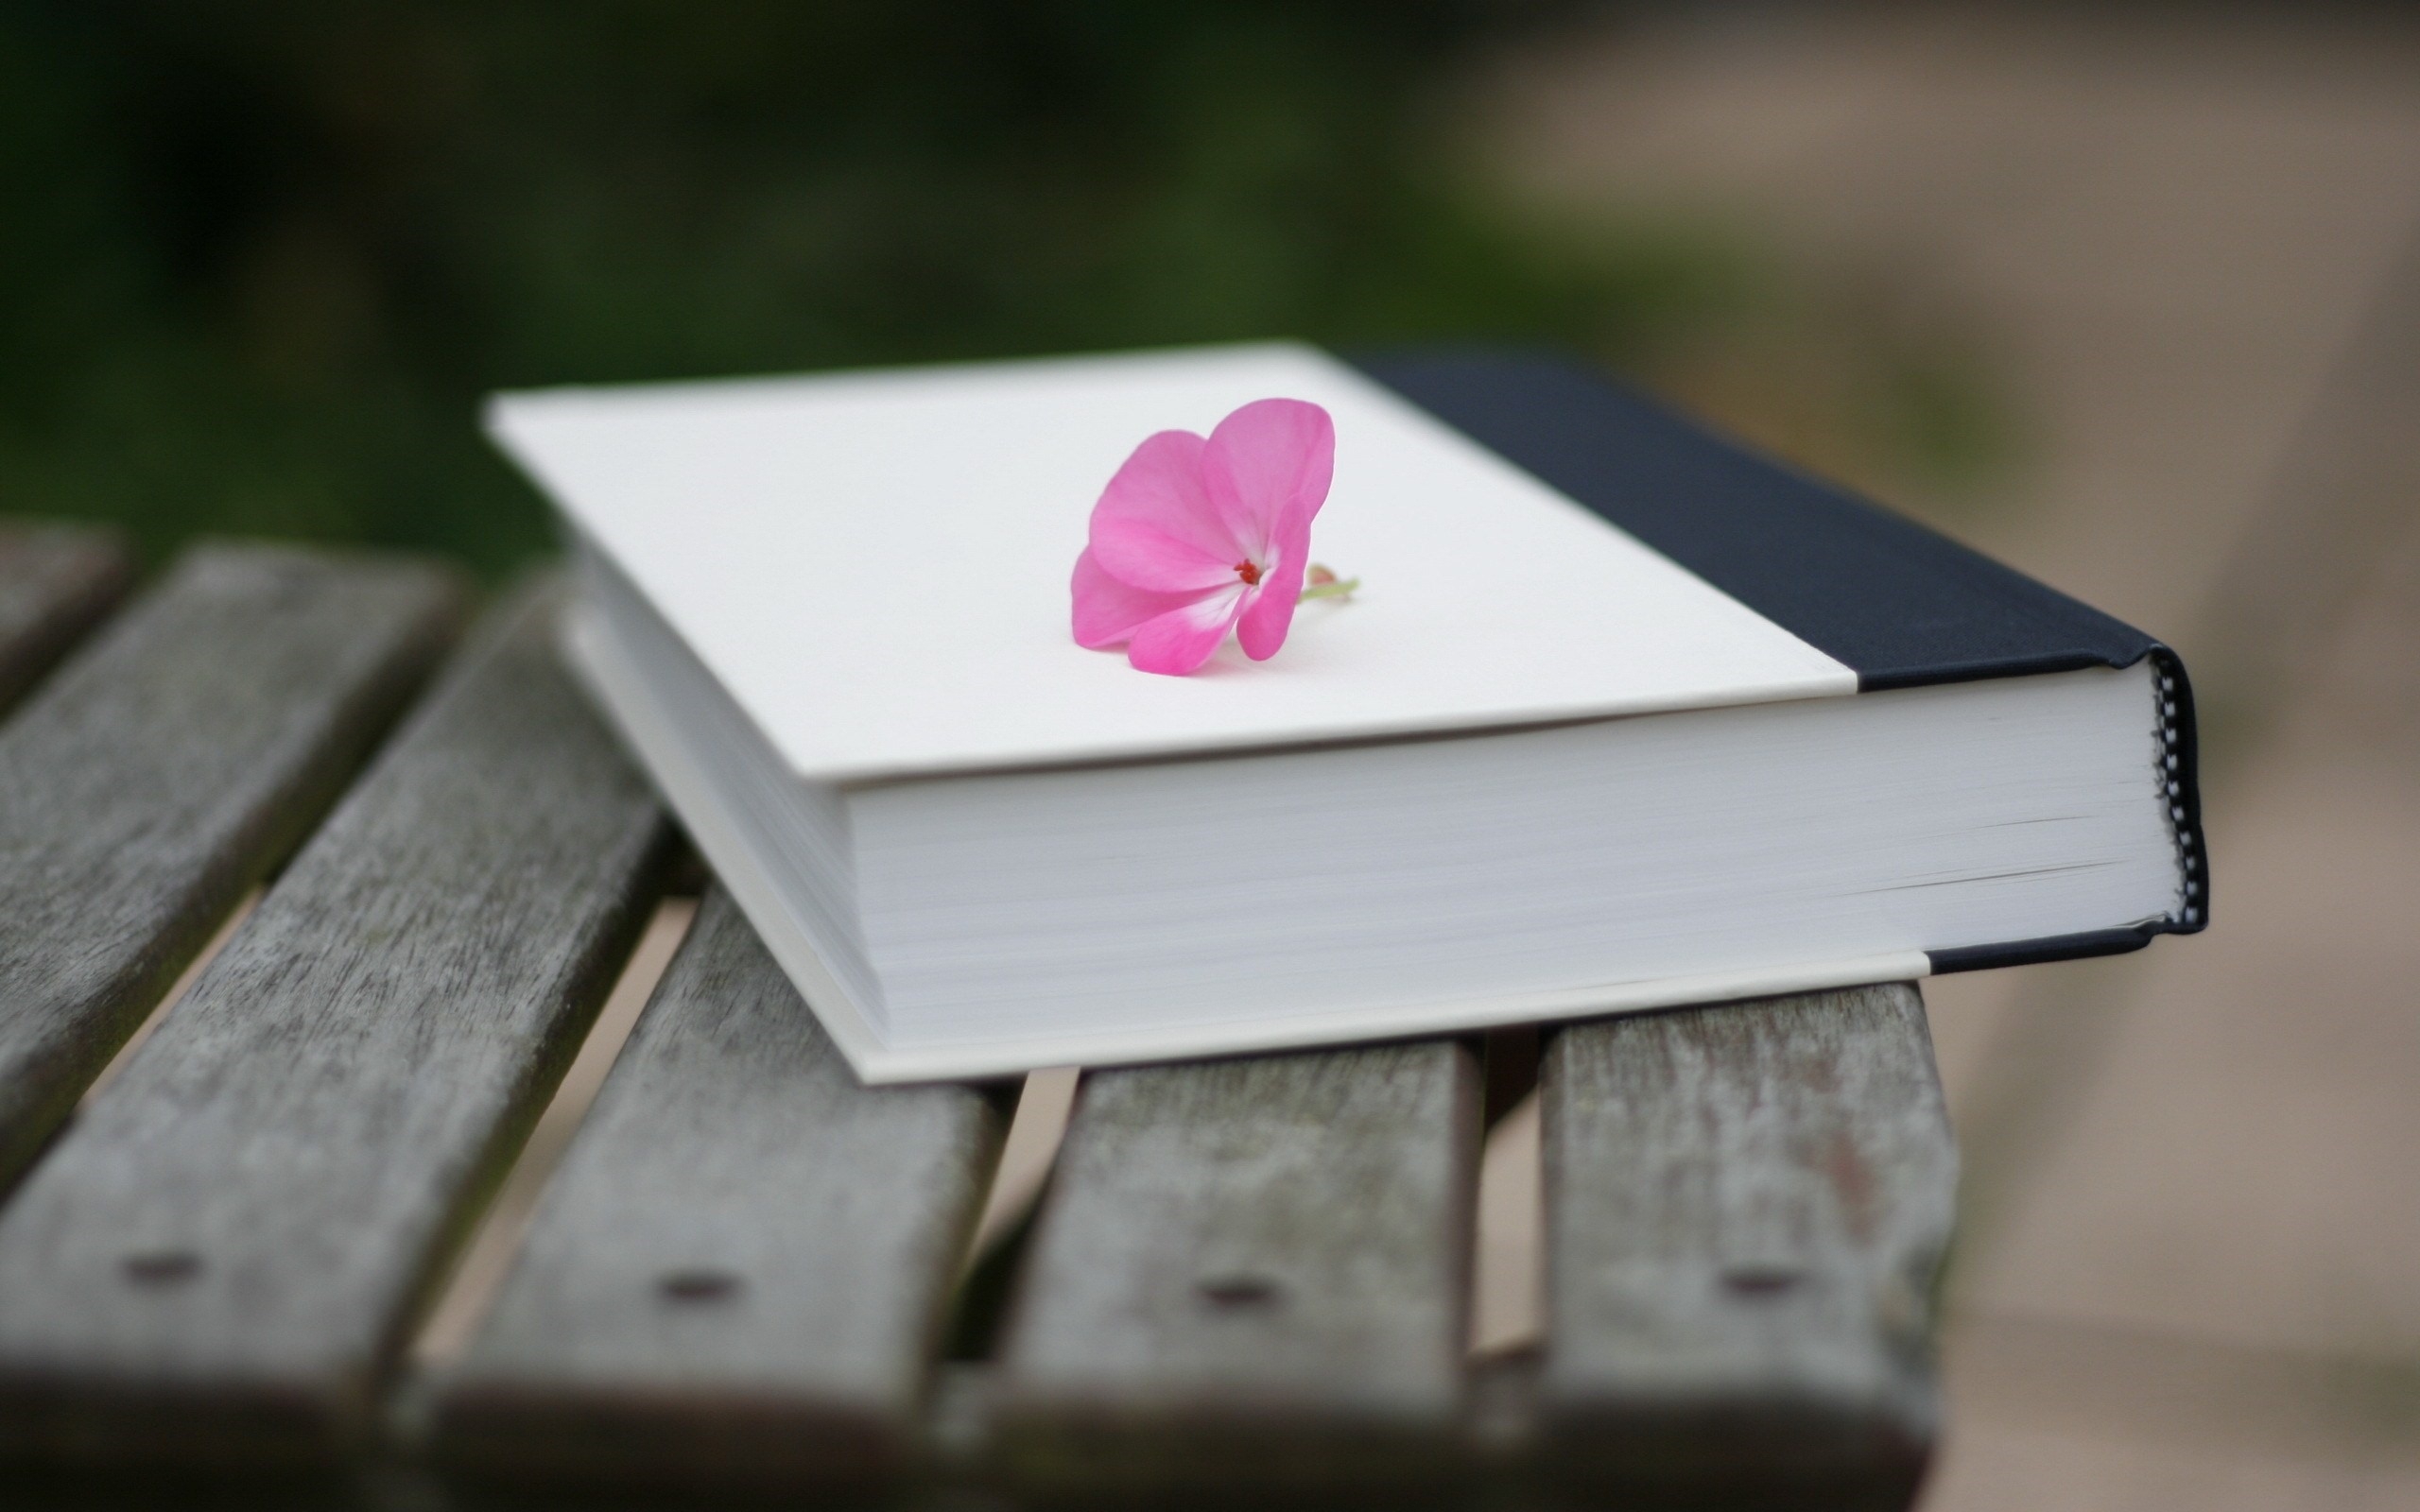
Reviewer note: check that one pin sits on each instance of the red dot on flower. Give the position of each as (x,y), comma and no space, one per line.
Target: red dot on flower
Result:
(1249,571)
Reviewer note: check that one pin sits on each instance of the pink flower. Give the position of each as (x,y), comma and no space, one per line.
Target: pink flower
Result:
(1194,538)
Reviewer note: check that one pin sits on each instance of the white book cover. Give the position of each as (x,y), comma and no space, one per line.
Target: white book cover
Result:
(876,566)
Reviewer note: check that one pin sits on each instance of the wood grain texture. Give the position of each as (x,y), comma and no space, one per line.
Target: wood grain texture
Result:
(55,582)
(217,1260)
(739,1271)
(1249,1272)
(164,769)
(1746,1209)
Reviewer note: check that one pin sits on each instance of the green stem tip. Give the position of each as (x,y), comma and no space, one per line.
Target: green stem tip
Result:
(1323,583)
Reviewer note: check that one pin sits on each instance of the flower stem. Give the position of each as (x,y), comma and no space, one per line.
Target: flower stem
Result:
(1330,590)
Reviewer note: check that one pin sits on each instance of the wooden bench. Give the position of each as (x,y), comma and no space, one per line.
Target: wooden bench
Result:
(1247,1279)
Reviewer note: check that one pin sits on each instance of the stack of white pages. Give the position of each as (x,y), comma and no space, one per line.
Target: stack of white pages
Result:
(1620,716)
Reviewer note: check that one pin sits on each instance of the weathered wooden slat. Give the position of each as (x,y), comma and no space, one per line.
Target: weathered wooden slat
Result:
(164,769)
(55,582)
(219,1256)
(1250,1273)
(740,1269)
(1746,1208)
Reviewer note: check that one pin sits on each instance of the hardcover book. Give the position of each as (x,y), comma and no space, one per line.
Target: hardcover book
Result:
(1620,715)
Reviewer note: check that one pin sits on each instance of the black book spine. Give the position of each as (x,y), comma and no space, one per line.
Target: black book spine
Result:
(1897,604)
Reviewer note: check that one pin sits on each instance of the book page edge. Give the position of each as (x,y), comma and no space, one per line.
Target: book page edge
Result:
(884,1065)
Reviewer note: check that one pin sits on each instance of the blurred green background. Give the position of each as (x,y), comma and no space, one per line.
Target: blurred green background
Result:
(263,260)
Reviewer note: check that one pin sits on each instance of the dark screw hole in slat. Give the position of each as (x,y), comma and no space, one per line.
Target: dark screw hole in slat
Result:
(1762,1280)
(1237,1293)
(161,1268)
(697,1285)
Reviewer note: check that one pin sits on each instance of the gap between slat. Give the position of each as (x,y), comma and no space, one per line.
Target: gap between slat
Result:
(1036,1130)
(176,993)
(1507,1257)
(478,1274)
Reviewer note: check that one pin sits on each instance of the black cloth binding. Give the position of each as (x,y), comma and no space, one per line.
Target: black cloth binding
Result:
(1899,605)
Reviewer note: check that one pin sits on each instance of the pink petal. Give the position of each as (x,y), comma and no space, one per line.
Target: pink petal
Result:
(1107,610)
(1182,639)
(1154,527)
(1270,457)
(1270,613)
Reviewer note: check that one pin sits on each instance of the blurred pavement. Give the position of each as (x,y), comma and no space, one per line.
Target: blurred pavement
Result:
(2190,1271)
